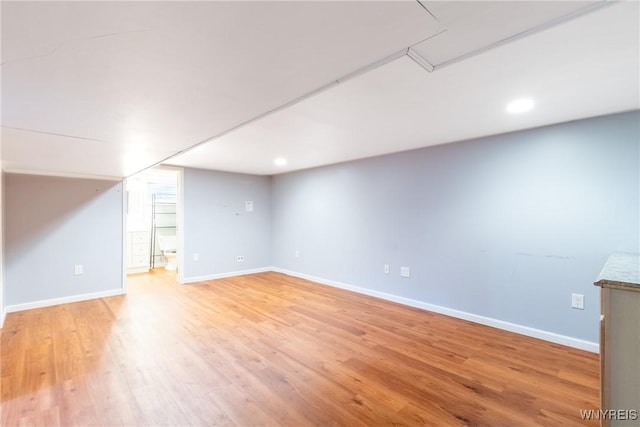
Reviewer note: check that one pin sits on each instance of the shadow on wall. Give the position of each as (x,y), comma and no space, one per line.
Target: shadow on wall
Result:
(53,224)
(38,206)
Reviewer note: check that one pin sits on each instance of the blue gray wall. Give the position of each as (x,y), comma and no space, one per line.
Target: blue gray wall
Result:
(505,227)
(218,228)
(52,224)
(2,314)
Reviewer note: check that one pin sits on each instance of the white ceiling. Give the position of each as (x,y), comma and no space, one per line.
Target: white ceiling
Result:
(107,89)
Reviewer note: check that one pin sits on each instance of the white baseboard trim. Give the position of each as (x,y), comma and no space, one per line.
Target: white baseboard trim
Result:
(110,293)
(500,324)
(63,300)
(225,275)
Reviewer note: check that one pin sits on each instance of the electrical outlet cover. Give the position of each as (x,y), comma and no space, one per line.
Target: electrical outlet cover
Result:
(405,272)
(577,301)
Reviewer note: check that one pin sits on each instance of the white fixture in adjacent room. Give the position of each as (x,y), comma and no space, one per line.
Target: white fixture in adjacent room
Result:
(168,245)
(521,105)
(151,213)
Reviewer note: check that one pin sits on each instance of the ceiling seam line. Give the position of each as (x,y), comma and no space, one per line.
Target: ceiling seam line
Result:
(58,174)
(56,134)
(547,25)
(444,30)
(372,66)
(64,43)
(428,11)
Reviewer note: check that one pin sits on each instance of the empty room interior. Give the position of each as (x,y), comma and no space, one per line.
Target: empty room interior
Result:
(299,213)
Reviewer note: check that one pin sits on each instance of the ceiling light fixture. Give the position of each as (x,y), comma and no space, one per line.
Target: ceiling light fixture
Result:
(280,161)
(521,105)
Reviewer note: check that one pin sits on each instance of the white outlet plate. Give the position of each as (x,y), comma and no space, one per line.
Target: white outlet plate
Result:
(577,301)
(405,272)
(196,257)
(297,254)
(248,205)
(386,269)
(78,270)
(240,258)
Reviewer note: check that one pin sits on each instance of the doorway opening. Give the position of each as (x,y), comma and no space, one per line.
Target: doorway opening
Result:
(152,221)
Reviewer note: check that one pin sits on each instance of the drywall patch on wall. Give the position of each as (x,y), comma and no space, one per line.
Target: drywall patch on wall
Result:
(220,234)
(505,227)
(63,238)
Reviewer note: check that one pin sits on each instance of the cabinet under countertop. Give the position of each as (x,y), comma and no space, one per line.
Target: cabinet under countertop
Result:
(620,340)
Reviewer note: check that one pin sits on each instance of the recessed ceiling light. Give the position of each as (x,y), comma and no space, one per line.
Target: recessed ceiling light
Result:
(521,105)
(280,161)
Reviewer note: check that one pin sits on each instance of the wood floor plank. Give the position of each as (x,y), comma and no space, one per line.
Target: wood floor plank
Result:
(270,349)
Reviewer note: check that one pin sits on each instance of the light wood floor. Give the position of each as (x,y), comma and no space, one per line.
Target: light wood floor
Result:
(269,349)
